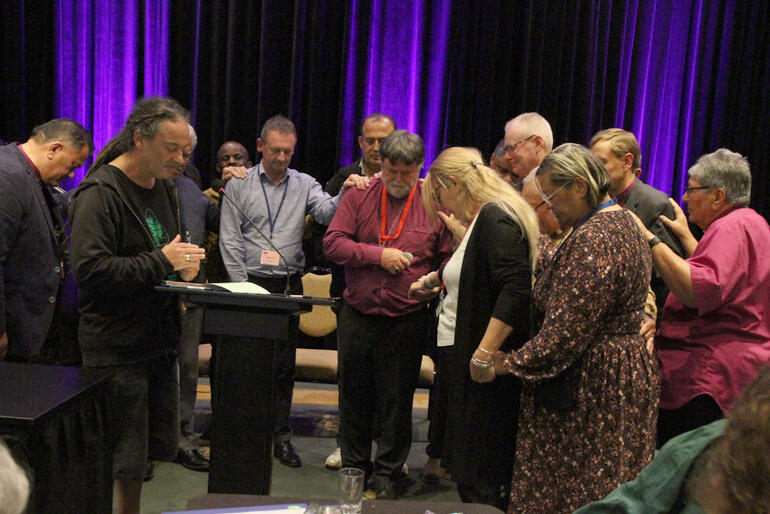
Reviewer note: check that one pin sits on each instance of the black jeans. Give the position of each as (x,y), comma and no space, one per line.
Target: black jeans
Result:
(378,369)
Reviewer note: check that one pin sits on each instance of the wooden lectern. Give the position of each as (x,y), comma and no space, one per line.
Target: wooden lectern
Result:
(244,374)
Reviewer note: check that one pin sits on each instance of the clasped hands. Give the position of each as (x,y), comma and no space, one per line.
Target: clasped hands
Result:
(184,257)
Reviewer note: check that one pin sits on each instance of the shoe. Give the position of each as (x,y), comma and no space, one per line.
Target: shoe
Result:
(404,470)
(286,454)
(432,471)
(149,471)
(192,459)
(386,492)
(334,461)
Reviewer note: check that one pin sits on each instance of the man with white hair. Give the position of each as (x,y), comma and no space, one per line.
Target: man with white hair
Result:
(528,139)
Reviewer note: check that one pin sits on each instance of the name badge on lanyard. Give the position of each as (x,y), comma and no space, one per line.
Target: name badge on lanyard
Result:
(269,258)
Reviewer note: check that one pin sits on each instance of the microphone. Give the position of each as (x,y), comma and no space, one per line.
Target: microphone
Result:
(287,291)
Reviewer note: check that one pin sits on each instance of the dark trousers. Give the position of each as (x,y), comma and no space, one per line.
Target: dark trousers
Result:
(439,400)
(285,357)
(378,369)
(699,411)
(188,374)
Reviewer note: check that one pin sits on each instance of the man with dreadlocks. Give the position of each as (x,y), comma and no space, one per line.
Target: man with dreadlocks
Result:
(126,237)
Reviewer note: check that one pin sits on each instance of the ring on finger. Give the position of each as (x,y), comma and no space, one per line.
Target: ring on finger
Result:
(187,257)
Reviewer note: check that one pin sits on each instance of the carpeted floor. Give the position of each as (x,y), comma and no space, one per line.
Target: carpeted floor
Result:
(314,421)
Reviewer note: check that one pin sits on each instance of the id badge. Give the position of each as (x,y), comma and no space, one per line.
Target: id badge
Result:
(269,258)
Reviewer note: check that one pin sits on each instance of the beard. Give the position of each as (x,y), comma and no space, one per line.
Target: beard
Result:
(398,189)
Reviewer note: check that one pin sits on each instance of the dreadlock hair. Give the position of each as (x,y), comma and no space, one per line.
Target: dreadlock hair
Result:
(145,117)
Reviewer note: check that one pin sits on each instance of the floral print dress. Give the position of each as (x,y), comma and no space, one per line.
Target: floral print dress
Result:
(590,396)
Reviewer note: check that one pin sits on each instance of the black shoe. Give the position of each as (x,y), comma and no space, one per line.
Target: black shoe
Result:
(286,454)
(149,471)
(387,491)
(192,459)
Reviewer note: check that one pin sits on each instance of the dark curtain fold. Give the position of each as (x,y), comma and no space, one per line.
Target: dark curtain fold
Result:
(26,66)
(243,62)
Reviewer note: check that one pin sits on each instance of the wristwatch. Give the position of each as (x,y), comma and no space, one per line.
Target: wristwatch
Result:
(655,240)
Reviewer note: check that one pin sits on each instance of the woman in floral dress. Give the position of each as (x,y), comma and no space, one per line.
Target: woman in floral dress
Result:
(590,395)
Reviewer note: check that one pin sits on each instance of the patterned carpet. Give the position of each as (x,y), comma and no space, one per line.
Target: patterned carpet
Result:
(314,410)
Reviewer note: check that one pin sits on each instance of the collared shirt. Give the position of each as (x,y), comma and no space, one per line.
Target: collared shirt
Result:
(715,348)
(622,197)
(352,240)
(242,246)
(35,170)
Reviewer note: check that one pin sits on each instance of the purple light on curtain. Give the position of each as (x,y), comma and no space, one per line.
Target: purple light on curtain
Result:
(350,118)
(156,29)
(396,60)
(665,68)
(98,66)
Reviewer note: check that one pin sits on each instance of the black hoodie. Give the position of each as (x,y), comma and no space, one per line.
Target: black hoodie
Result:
(116,265)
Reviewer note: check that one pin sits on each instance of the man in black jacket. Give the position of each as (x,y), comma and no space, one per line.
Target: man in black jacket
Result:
(31,232)
(127,236)
(619,152)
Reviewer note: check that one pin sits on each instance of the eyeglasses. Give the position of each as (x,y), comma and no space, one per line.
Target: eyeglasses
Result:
(695,188)
(510,148)
(547,198)
(437,189)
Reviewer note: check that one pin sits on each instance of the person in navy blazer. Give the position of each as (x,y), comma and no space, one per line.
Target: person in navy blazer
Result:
(31,231)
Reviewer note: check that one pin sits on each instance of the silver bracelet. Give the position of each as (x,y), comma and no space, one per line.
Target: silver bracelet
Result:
(482,364)
(484,350)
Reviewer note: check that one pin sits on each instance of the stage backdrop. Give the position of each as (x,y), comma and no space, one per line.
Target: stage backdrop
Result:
(687,77)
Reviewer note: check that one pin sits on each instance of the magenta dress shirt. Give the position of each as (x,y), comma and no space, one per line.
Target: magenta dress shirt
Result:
(716,348)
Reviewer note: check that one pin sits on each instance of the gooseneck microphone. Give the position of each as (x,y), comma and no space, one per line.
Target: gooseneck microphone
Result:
(287,291)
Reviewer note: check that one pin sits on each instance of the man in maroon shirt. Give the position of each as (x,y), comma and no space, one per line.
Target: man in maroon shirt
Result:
(385,239)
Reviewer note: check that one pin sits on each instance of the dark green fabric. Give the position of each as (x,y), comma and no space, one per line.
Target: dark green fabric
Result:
(659,487)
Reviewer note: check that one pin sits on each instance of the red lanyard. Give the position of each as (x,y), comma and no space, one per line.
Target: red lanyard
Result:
(384,214)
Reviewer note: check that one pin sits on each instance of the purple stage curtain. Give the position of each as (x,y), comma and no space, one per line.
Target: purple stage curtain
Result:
(108,54)
(402,46)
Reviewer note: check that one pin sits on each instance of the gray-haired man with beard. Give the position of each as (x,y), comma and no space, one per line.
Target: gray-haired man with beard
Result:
(386,240)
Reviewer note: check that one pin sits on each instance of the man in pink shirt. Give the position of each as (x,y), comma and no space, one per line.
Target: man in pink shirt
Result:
(715,330)
(384,238)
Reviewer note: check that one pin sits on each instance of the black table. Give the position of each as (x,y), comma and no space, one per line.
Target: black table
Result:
(247,328)
(53,419)
(219,501)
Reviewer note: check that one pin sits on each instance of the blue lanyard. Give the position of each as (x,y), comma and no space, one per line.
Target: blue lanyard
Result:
(599,207)
(267,203)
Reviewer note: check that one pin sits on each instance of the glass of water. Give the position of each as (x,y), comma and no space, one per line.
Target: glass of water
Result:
(350,486)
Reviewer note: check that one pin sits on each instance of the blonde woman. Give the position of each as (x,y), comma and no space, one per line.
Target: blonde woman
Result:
(487,282)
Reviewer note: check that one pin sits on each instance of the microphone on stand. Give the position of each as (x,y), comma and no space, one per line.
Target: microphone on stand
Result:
(287,291)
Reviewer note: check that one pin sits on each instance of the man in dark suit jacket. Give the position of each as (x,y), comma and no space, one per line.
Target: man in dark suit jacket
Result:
(31,231)
(619,151)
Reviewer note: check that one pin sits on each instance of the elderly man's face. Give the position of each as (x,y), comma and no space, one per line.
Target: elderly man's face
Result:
(700,204)
(549,224)
(522,151)
(399,178)
(231,154)
(372,134)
